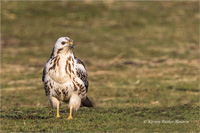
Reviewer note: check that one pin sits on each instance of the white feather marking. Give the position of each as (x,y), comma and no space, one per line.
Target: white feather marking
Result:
(54,102)
(81,67)
(75,102)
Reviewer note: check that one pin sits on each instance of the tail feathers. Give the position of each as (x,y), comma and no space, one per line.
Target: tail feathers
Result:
(87,102)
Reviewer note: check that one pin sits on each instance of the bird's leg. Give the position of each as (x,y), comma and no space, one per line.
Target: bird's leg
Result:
(58,115)
(70,115)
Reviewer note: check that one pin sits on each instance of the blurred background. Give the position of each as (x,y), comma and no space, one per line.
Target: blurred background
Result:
(142,54)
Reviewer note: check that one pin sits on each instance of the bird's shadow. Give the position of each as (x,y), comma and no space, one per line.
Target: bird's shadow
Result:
(20,114)
(26,114)
(30,117)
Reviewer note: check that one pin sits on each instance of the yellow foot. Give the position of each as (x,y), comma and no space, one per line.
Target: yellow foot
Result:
(70,117)
(58,116)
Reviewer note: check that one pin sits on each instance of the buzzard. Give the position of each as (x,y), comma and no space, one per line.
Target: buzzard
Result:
(65,77)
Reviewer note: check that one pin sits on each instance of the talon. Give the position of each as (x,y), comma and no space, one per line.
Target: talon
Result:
(70,114)
(58,114)
(69,118)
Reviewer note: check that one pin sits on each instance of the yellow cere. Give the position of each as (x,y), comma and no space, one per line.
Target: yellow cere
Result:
(70,43)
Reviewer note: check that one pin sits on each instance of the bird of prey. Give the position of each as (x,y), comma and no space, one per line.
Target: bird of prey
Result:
(65,77)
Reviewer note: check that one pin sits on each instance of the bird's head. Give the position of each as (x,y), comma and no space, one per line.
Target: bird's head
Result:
(64,43)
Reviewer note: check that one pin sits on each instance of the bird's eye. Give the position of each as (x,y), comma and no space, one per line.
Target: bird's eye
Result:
(63,43)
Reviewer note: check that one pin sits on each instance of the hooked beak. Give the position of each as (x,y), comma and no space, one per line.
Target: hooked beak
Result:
(71,44)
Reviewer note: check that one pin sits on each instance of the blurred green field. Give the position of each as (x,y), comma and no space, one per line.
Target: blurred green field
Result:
(141,57)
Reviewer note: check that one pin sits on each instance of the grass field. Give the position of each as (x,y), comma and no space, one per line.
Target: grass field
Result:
(141,58)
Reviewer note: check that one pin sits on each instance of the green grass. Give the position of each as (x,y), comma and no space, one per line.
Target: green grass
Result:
(101,119)
(141,58)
